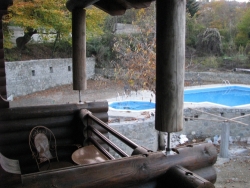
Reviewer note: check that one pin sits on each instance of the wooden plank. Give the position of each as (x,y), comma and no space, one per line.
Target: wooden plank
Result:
(4,4)
(2,63)
(14,151)
(1,53)
(115,8)
(3,104)
(79,49)
(2,72)
(124,172)
(119,7)
(208,173)
(2,81)
(170,60)
(23,136)
(9,180)
(140,3)
(1,40)
(28,124)
(3,12)
(51,110)
(73,4)
(3,91)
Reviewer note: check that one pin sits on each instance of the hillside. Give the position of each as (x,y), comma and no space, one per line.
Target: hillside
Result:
(38,51)
(193,62)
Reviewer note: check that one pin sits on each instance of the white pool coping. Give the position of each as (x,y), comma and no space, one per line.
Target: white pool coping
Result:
(150,110)
(210,104)
(148,95)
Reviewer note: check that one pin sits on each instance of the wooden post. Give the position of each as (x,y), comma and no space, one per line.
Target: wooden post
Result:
(79,49)
(170,60)
(4,4)
(224,144)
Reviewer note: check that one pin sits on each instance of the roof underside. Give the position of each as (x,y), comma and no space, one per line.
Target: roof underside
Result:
(112,7)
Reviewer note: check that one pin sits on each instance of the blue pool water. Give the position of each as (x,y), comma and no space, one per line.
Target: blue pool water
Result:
(132,105)
(228,95)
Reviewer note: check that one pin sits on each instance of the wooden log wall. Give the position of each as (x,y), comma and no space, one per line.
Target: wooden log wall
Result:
(3,92)
(63,120)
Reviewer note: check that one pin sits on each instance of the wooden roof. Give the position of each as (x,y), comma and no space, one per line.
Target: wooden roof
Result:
(4,4)
(112,7)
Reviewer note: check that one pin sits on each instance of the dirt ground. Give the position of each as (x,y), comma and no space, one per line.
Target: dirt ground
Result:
(235,171)
(97,90)
(231,173)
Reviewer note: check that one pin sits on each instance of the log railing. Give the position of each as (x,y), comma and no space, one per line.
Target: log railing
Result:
(86,117)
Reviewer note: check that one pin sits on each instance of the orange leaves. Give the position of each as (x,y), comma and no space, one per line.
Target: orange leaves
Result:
(42,15)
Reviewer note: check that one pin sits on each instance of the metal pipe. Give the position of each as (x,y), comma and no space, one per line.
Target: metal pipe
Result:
(168,144)
(80,100)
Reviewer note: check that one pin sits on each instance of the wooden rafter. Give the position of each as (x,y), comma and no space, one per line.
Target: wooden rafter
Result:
(112,7)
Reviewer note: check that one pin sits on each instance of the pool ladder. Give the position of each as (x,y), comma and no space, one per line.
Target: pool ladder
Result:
(226,82)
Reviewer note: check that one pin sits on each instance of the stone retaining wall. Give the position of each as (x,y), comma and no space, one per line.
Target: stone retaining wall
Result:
(142,132)
(219,77)
(24,77)
(197,125)
(205,125)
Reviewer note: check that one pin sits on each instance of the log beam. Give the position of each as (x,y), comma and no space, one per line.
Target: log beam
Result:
(170,60)
(46,111)
(3,92)
(125,172)
(178,176)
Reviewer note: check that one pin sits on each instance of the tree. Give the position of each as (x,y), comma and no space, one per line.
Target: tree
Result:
(223,15)
(243,36)
(50,19)
(95,19)
(136,52)
(40,16)
(193,29)
(210,42)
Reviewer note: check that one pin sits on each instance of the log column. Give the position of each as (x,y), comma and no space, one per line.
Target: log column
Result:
(4,4)
(79,49)
(170,60)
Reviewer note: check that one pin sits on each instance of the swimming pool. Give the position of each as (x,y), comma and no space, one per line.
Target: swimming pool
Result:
(132,105)
(225,96)
(230,96)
